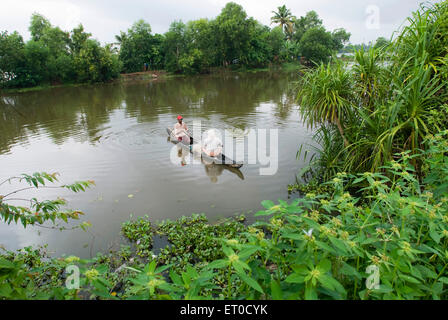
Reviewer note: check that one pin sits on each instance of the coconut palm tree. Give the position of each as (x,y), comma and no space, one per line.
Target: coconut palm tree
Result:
(120,38)
(284,18)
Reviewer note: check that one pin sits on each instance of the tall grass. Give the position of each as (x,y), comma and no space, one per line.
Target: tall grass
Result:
(329,99)
(389,100)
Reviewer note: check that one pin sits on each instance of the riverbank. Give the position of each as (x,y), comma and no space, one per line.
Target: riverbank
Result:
(160,75)
(321,246)
(40,88)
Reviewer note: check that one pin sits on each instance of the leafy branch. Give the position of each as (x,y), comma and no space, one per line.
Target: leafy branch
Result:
(38,212)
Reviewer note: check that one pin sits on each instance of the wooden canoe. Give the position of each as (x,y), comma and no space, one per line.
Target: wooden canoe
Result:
(217,160)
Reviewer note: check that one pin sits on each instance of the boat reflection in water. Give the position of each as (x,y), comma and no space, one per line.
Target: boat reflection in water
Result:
(212,170)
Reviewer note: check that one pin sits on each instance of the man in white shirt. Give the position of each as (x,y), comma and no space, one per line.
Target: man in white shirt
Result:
(181,131)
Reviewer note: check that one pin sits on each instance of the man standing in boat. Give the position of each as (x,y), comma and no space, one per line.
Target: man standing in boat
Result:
(181,131)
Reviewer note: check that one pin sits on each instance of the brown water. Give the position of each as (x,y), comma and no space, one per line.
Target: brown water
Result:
(115,134)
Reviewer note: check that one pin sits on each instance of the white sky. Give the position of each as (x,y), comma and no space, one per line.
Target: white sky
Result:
(105,18)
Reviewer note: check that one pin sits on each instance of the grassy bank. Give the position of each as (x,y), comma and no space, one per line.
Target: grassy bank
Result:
(40,88)
(160,75)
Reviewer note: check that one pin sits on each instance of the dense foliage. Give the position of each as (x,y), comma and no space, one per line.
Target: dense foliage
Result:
(53,56)
(139,46)
(388,102)
(231,39)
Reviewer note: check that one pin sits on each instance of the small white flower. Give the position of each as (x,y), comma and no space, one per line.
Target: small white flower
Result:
(309,233)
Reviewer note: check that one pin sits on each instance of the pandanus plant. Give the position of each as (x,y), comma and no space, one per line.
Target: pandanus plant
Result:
(368,73)
(326,95)
(389,100)
(415,78)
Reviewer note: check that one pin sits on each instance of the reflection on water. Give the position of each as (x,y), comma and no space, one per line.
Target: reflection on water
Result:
(115,134)
(212,170)
(83,113)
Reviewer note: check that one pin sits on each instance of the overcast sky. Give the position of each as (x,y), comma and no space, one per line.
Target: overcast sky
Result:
(366,20)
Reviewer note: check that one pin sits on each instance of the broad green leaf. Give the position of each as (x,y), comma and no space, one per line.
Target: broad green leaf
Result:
(325,282)
(5,264)
(335,284)
(267,204)
(240,264)
(176,278)
(276,290)
(301,269)
(436,236)
(162,268)
(325,247)
(263,213)
(310,293)
(293,236)
(102,268)
(409,278)
(311,223)
(228,251)
(149,268)
(218,264)
(186,278)
(295,278)
(243,254)
(238,268)
(324,265)
(339,244)
(348,270)
(5,290)
(443,280)
(427,272)
(192,273)
(250,282)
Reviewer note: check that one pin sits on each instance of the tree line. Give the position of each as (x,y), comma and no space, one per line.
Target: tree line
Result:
(232,39)
(54,56)
(380,43)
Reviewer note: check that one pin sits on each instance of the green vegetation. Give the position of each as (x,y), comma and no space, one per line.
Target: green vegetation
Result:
(373,223)
(38,212)
(193,240)
(53,56)
(139,45)
(315,43)
(388,102)
(379,43)
(322,246)
(232,39)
